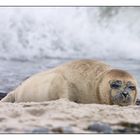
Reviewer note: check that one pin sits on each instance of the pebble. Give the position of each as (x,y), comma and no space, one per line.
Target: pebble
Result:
(40,131)
(138,102)
(62,130)
(128,128)
(2,95)
(100,128)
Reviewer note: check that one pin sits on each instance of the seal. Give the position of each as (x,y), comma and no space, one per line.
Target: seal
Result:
(81,81)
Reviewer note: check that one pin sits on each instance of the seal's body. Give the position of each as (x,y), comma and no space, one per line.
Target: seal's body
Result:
(81,81)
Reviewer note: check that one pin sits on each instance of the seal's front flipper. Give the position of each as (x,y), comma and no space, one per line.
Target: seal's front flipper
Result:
(9,98)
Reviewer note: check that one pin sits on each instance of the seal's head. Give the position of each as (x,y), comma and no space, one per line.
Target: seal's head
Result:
(119,87)
(122,92)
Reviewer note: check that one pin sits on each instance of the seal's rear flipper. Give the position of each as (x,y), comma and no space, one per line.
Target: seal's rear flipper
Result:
(9,98)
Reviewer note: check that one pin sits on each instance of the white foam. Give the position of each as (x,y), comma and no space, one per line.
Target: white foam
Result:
(70,32)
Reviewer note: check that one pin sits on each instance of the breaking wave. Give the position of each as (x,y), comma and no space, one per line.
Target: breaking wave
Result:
(70,32)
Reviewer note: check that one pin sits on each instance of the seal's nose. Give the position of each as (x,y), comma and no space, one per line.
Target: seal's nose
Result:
(125,93)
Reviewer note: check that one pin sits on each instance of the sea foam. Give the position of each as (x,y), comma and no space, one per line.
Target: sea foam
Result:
(70,32)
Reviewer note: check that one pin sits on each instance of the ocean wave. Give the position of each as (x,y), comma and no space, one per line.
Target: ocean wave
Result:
(69,32)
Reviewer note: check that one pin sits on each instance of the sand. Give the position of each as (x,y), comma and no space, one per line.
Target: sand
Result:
(52,116)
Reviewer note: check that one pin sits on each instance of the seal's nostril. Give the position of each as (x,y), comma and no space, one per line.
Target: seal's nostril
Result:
(125,93)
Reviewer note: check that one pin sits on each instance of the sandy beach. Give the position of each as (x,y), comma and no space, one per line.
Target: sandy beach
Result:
(62,116)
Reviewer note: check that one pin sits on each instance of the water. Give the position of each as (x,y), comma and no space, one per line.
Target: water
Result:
(36,39)
(70,32)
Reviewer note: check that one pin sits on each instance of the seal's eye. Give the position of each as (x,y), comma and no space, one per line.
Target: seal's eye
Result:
(115,85)
(132,87)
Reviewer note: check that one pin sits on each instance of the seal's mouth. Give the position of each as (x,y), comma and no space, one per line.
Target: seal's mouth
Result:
(121,100)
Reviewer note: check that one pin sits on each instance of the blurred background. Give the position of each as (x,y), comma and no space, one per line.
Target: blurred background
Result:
(38,38)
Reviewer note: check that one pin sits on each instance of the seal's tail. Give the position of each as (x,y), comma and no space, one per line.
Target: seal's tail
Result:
(9,98)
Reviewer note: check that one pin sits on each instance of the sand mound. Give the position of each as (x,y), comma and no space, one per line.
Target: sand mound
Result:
(62,116)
